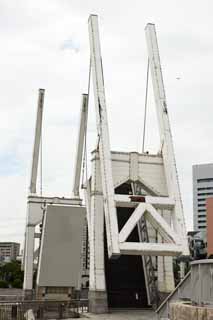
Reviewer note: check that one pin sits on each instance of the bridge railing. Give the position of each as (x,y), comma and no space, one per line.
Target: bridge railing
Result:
(43,309)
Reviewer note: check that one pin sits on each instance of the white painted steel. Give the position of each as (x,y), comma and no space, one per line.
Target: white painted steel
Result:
(37,140)
(35,208)
(80,145)
(123,200)
(60,247)
(103,135)
(161,202)
(150,249)
(161,225)
(133,168)
(165,273)
(33,217)
(54,200)
(154,218)
(29,257)
(96,238)
(165,134)
(87,196)
(131,222)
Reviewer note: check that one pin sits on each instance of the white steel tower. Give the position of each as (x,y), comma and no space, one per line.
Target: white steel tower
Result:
(134,207)
(37,208)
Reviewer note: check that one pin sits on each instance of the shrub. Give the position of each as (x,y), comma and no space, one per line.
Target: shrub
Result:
(17,283)
(3,284)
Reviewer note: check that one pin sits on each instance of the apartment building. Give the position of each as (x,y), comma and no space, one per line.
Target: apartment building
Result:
(202,189)
(9,250)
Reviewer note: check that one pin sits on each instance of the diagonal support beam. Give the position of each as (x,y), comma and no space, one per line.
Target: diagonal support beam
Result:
(132,221)
(161,225)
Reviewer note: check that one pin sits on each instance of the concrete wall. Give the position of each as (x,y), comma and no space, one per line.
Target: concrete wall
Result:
(180,311)
(10,294)
(181,292)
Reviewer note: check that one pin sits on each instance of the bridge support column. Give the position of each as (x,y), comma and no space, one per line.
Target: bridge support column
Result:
(98,301)
(97,290)
(165,265)
(29,251)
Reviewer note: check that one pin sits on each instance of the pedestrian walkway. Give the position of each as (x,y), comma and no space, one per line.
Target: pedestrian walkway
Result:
(123,315)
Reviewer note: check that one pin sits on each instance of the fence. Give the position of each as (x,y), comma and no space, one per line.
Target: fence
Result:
(43,309)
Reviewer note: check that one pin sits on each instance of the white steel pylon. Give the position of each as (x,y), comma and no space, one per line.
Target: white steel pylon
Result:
(37,205)
(166,136)
(151,179)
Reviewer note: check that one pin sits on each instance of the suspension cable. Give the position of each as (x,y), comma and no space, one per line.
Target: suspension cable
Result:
(145,106)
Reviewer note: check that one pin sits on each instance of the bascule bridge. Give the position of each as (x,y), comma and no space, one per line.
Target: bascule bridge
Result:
(133,203)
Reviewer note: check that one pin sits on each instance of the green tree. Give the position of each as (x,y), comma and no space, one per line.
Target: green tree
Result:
(17,283)
(3,284)
(11,273)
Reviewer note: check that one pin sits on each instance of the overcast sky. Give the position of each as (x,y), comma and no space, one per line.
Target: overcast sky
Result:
(44,44)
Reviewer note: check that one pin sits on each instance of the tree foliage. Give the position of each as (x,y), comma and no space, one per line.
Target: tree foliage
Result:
(11,274)
(3,284)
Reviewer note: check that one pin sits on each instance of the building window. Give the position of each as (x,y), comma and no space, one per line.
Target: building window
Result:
(201,216)
(205,188)
(202,199)
(201,227)
(201,210)
(205,180)
(201,205)
(205,194)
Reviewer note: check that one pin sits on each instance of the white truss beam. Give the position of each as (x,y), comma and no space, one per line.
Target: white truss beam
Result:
(161,202)
(123,200)
(161,225)
(131,222)
(80,145)
(155,219)
(165,134)
(53,200)
(150,249)
(103,135)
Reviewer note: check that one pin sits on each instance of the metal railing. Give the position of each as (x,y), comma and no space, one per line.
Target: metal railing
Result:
(43,309)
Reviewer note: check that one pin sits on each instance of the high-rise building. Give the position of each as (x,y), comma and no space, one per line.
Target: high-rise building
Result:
(9,250)
(209,207)
(202,189)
